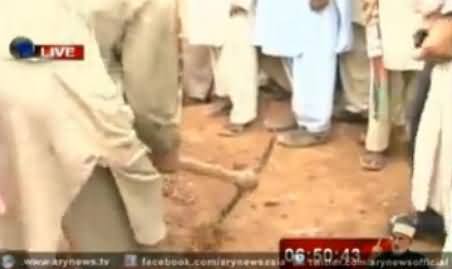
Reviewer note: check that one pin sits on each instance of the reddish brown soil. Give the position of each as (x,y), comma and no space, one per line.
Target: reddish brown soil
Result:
(320,191)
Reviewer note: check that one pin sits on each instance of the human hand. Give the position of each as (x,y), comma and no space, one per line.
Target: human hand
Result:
(437,46)
(427,7)
(319,5)
(238,10)
(377,249)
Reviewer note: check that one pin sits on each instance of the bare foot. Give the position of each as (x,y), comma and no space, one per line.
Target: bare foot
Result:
(220,108)
(373,161)
(232,130)
(362,139)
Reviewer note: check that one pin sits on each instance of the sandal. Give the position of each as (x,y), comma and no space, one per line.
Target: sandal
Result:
(373,161)
(281,124)
(301,138)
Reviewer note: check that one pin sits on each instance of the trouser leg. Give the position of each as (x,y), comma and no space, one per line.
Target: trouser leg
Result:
(97,219)
(219,82)
(401,99)
(417,106)
(314,82)
(379,130)
(355,74)
(277,69)
(239,62)
(114,209)
(197,74)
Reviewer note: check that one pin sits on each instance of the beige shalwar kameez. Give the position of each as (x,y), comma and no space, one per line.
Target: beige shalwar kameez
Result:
(398,57)
(61,120)
(233,56)
(354,66)
(143,34)
(277,69)
(138,42)
(197,74)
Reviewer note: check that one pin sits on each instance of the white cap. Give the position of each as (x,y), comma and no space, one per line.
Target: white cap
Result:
(405,229)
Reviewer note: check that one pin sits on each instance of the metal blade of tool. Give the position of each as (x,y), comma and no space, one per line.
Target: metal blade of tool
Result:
(241,191)
(207,236)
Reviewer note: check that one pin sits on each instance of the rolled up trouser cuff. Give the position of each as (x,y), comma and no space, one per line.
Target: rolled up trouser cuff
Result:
(141,189)
(145,209)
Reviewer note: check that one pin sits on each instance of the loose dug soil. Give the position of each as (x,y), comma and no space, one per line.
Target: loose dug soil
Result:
(319,191)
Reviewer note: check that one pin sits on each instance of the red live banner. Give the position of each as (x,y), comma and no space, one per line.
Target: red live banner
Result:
(328,252)
(60,52)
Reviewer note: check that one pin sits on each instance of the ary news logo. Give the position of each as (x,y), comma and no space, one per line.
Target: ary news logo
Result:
(24,48)
(130,260)
(8,261)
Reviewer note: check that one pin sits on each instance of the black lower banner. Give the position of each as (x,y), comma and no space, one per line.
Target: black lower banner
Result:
(13,260)
(10,260)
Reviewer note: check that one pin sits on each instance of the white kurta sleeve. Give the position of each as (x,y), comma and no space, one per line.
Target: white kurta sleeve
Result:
(426,7)
(447,7)
(345,35)
(248,5)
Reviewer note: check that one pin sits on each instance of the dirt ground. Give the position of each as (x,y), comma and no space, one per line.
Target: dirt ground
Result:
(314,192)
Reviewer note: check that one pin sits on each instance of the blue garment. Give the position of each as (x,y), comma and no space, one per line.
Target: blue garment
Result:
(289,28)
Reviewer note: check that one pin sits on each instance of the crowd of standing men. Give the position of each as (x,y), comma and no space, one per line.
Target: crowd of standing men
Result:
(104,145)
(306,47)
